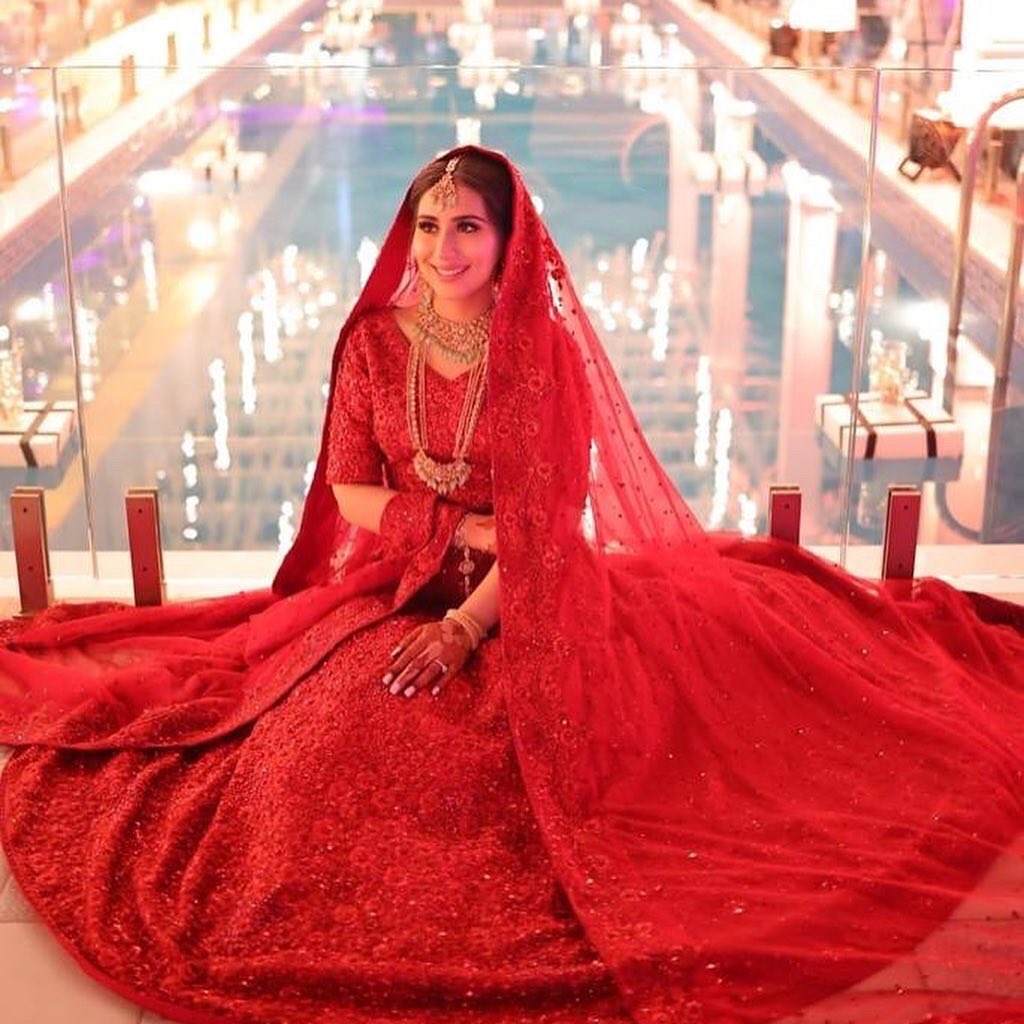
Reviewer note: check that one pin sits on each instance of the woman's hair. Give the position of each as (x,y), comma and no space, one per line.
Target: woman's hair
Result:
(483,174)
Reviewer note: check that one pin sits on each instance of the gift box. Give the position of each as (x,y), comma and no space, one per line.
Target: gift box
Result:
(889,471)
(916,428)
(38,435)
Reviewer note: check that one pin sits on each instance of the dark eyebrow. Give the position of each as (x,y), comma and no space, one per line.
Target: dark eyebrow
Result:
(465,216)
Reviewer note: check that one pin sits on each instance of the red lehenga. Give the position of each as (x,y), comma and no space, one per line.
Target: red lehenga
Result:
(690,779)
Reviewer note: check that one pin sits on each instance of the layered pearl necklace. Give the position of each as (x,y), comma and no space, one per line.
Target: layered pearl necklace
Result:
(465,342)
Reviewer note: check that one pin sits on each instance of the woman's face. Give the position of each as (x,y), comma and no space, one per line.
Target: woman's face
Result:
(457,250)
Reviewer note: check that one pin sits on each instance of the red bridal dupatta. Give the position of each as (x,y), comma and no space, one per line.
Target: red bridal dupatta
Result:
(761,781)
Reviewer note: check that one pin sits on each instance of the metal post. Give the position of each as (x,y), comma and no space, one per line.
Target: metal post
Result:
(31,548)
(127,78)
(1008,325)
(1004,351)
(69,278)
(142,515)
(993,159)
(784,503)
(975,143)
(65,107)
(76,108)
(899,547)
(6,152)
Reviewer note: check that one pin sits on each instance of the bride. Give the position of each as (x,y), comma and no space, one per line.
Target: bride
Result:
(512,739)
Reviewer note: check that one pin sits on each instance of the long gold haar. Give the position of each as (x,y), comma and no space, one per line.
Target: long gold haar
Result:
(445,477)
(463,342)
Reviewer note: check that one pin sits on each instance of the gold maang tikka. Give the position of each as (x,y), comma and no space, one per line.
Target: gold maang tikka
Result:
(444,192)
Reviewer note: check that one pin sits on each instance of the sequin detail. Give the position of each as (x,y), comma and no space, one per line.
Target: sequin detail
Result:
(350,857)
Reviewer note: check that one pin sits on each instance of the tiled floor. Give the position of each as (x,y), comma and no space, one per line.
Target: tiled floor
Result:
(40,985)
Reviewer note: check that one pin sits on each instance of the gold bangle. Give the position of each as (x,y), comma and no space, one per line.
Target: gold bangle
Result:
(475,631)
(468,623)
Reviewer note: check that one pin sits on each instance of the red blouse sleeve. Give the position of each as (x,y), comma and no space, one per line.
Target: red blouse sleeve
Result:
(353,455)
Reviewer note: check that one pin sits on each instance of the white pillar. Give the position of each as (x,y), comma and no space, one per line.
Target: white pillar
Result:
(682,116)
(730,274)
(730,243)
(806,328)
(734,123)
(989,26)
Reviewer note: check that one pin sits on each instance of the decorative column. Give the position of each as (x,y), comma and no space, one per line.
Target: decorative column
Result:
(807,328)
(682,119)
(730,238)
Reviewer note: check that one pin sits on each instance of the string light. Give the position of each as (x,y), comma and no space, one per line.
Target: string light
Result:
(270,316)
(702,429)
(245,344)
(720,486)
(218,376)
(285,526)
(149,276)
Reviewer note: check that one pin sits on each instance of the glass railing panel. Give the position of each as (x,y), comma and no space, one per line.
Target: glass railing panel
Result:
(814,113)
(936,419)
(713,233)
(778,258)
(913,227)
(223,218)
(197,291)
(39,426)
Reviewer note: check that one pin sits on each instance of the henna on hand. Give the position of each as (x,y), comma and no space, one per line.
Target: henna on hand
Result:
(428,657)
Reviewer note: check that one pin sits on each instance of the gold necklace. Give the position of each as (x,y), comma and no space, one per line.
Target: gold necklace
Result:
(461,340)
(442,477)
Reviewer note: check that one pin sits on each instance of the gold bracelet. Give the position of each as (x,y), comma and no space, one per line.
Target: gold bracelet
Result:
(475,631)
(468,623)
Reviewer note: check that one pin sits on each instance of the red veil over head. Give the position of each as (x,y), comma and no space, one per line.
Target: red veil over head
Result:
(761,781)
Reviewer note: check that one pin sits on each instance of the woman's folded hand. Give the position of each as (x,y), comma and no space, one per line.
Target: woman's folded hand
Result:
(427,658)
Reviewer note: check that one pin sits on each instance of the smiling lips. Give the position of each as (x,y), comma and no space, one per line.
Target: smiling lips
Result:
(448,275)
